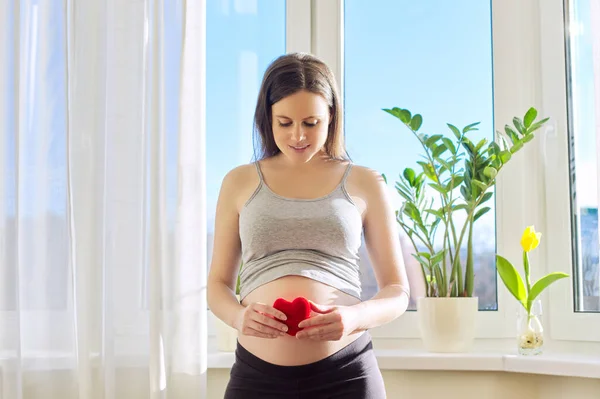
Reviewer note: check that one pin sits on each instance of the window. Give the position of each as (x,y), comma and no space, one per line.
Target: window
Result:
(571,93)
(435,59)
(583,52)
(243,37)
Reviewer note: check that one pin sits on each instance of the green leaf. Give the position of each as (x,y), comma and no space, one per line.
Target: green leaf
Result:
(516,147)
(490,172)
(428,170)
(445,164)
(384,178)
(480,213)
(449,145)
(505,156)
(486,197)
(479,184)
(504,142)
(437,258)
(439,150)
(425,255)
(458,181)
(416,122)
(405,116)
(421,260)
(461,206)
(512,280)
(537,125)
(530,117)
(480,144)
(465,193)
(409,175)
(514,137)
(469,146)
(404,194)
(528,138)
(455,131)
(519,125)
(495,148)
(471,127)
(391,112)
(431,140)
(542,284)
(438,188)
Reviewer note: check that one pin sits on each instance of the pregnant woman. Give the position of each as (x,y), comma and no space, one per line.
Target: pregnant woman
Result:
(296,219)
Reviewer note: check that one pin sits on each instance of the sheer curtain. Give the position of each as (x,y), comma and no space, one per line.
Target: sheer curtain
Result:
(102,230)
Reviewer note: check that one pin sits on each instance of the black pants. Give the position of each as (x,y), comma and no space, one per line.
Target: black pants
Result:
(350,373)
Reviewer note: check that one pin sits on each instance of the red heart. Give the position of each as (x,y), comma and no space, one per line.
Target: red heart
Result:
(295,311)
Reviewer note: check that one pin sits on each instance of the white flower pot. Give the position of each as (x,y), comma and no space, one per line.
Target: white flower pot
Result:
(447,324)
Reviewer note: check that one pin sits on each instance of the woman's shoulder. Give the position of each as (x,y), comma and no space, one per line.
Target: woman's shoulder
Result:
(365,176)
(240,173)
(370,185)
(239,183)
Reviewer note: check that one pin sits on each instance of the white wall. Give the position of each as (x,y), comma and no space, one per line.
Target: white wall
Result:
(462,385)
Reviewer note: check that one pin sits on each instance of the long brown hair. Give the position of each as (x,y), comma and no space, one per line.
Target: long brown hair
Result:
(285,76)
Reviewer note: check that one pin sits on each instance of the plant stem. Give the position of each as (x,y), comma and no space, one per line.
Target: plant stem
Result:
(527,279)
(445,203)
(464,228)
(425,242)
(427,289)
(526,266)
(469,271)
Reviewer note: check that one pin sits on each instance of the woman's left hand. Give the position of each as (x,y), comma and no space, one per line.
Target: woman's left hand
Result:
(330,323)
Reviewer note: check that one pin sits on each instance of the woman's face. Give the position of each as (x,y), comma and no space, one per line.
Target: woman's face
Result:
(300,125)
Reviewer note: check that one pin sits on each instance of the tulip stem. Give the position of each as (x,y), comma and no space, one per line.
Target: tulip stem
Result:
(527,273)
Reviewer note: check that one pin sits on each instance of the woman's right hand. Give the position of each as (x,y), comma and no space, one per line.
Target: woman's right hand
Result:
(259,320)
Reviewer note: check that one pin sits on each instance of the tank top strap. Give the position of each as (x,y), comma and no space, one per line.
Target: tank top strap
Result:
(346,173)
(260,175)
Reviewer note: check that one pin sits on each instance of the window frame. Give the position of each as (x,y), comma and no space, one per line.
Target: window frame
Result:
(565,323)
(513,188)
(532,34)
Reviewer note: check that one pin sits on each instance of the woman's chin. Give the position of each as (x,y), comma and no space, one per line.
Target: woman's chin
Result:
(300,157)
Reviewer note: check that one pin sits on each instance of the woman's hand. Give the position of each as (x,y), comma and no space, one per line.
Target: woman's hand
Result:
(331,323)
(258,320)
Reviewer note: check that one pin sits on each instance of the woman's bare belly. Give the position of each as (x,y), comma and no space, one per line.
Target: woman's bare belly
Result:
(287,350)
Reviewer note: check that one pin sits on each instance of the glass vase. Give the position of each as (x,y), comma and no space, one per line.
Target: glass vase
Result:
(530,331)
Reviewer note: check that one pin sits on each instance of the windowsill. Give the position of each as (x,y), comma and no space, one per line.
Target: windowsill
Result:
(549,363)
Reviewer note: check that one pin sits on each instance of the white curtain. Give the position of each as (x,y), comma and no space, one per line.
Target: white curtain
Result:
(102,229)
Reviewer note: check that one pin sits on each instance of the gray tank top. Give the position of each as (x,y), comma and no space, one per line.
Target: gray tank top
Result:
(315,238)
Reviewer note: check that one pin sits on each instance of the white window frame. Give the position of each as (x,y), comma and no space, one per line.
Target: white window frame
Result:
(565,323)
(514,209)
(529,57)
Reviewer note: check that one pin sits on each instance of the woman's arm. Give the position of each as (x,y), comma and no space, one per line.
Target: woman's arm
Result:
(226,255)
(383,244)
(257,319)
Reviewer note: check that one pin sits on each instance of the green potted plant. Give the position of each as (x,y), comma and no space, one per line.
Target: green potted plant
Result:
(443,199)
(530,331)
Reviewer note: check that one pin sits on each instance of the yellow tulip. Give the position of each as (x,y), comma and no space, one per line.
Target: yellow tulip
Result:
(530,239)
